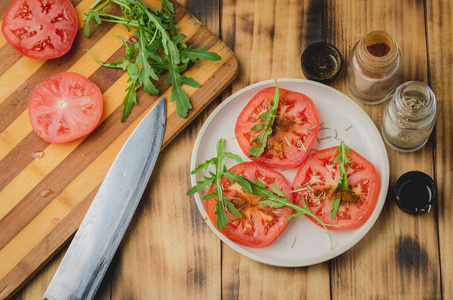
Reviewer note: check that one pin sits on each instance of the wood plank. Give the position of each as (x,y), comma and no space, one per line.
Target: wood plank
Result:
(168,251)
(173,253)
(400,257)
(269,46)
(393,258)
(439,27)
(33,226)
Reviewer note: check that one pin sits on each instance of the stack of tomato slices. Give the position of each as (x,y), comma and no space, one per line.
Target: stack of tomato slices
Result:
(294,133)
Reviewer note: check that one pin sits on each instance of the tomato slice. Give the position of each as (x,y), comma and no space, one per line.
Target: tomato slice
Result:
(40,29)
(294,132)
(259,225)
(65,107)
(317,177)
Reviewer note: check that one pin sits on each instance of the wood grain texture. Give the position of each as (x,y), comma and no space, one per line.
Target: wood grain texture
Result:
(403,247)
(44,199)
(269,46)
(168,252)
(439,28)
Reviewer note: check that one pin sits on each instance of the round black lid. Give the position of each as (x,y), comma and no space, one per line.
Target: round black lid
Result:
(415,192)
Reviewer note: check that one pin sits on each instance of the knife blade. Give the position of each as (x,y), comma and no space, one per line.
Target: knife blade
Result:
(98,237)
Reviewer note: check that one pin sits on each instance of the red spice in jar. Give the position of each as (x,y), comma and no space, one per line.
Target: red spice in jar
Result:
(378,49)
(374,67)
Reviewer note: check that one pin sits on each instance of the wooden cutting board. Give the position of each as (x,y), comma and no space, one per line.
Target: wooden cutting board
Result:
(46,189)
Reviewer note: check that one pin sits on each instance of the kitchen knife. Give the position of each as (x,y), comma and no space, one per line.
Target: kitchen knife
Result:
(91,251)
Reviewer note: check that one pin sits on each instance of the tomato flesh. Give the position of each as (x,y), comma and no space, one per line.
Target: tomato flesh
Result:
(65,107)
(316,179)
(294,131)
(40,29)
(259,225)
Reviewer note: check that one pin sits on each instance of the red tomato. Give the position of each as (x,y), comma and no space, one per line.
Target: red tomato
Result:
(40,29)
(294,131)
(65,107)
(318,175)
(259,225)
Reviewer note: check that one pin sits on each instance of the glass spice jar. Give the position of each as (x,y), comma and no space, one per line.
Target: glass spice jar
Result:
(374,67)
(409,117)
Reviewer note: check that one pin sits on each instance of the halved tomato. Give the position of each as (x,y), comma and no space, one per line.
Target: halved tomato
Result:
(294,131)
(317,177)
(65,107)
(40,29)
(259,225)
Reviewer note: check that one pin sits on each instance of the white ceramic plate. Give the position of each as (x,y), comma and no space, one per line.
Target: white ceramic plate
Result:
(302,243)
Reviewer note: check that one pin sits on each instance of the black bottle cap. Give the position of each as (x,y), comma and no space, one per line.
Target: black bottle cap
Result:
(415,192)
(321,62)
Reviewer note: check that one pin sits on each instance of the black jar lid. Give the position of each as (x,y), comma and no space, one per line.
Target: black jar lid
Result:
(321,62)
(415,192)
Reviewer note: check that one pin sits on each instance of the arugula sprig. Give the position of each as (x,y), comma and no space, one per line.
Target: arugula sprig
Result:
(342,184)
(216,179)
(274,198)
(265,126)
(156,48)
(277,199)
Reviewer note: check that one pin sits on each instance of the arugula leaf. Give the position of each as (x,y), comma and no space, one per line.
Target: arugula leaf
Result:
(131,96)
(129,100)
(274,198)
(142,58)
(90,16)
(119,64)
(335,207)
(156,31)
(342,183)
(170,48)
(169,11)
(189,53)
(277,199)
(233,210)
(216,179)
(177,93)
(265,126)
(134,74)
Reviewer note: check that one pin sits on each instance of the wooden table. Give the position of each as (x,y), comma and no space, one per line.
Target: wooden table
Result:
(169,252)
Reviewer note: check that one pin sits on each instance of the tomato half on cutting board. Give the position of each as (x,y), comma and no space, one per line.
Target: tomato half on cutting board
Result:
(294,131)
(40,29)
(259,225)
(65,107)
(318,175)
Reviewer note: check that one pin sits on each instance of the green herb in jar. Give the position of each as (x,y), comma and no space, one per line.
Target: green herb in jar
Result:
(415,102)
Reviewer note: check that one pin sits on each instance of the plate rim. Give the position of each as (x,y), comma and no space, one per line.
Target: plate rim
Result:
(373,218)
